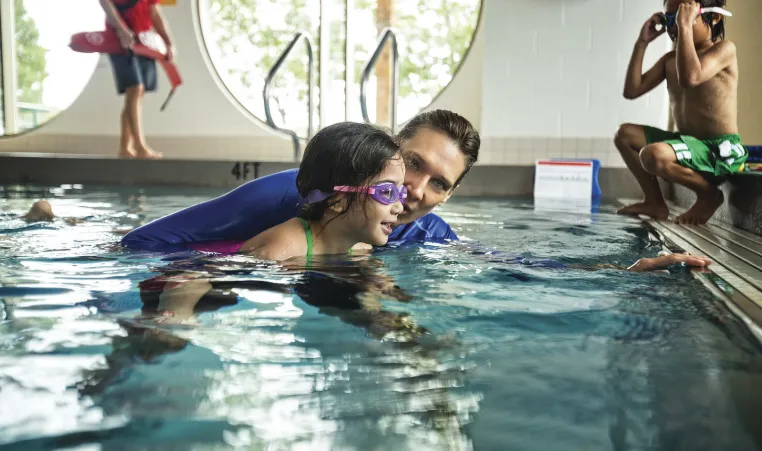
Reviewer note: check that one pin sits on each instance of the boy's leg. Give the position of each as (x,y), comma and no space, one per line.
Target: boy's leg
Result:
(629,140)
(147,68)
(660,159)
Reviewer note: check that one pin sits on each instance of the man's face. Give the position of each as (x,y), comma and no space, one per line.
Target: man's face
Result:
(433,164)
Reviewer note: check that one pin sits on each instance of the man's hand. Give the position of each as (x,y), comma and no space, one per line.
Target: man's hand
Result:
(126,37)
(661,262)
(649,32)
(687,14)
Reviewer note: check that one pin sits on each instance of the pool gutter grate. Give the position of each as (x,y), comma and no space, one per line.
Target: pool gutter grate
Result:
(735,276)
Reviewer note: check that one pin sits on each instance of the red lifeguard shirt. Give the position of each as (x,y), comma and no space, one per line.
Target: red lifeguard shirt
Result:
(138,18)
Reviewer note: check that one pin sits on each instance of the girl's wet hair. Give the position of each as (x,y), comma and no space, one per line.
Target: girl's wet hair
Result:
(347,153)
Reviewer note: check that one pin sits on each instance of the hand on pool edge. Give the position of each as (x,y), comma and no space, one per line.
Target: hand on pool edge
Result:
(663,261)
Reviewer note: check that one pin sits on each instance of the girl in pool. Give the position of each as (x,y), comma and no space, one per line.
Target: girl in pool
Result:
(351,182)
(351,179)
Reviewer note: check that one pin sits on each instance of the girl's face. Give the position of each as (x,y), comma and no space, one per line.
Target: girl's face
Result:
(372,219)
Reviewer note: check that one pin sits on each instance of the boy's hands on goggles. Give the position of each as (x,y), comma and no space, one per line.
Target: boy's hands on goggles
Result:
(691,11)
(651,28)
(687,14)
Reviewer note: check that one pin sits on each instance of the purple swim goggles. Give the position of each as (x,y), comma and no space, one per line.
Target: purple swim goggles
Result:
(385,193)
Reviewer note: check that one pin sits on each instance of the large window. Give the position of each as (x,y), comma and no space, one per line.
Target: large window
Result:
(41,76)
(245,37)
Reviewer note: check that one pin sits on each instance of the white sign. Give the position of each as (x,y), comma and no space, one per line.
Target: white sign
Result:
(564,183)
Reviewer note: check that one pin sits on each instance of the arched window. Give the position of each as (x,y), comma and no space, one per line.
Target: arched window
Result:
(41,76)
(245,37)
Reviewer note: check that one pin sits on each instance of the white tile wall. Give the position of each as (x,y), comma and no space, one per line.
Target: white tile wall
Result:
(554,72)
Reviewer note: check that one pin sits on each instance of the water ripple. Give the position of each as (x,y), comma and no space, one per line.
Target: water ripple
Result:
(491,343)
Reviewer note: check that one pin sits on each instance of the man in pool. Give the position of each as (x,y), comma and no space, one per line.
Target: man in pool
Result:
(702,80)
(439,147)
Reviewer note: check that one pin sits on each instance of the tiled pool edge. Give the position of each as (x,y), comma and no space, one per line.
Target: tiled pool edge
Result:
(48,169)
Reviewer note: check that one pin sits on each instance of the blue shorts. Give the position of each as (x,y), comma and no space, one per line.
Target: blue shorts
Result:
(132,70)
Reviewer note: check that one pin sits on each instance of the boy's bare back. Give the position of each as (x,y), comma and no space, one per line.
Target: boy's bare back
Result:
(709,109)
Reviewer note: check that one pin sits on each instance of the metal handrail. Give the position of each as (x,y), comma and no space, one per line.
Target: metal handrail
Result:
(310,83)
(386,35)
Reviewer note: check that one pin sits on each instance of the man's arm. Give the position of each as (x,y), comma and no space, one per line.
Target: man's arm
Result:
(126,37)
(235,216)
(693,70)
(160,23)
(663,261)
(642,265)
(112,15)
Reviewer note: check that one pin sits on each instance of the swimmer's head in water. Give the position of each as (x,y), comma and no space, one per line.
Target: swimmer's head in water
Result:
(712,24)
(439,148)
(357,157)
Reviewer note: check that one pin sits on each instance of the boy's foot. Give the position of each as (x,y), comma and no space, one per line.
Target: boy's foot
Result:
(147,153)
(654,210)
(703,209)
(126,153)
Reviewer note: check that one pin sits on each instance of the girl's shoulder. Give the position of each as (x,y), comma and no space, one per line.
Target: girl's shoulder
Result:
(280,242)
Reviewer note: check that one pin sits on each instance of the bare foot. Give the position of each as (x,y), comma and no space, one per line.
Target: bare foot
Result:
(703,209)
(654,210)
(147,153)
(40,211)
(126,153)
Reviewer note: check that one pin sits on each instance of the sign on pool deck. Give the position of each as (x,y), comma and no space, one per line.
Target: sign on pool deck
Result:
(566,184)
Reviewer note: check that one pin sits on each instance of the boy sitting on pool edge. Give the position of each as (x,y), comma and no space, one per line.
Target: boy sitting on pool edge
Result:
(702,81)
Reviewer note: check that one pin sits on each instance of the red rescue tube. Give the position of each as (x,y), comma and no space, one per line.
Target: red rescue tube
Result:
(107,42)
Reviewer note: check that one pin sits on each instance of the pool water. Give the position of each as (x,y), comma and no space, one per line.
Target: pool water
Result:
(452,348)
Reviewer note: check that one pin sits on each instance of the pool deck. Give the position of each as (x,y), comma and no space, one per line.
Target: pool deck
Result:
(49,169)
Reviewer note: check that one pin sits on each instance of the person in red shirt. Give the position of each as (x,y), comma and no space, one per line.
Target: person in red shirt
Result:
(134,75)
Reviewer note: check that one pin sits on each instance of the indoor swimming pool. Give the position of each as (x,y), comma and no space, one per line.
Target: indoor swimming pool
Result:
(481,344)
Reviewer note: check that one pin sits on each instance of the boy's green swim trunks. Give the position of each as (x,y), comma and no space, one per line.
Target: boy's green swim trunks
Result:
(721,155)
